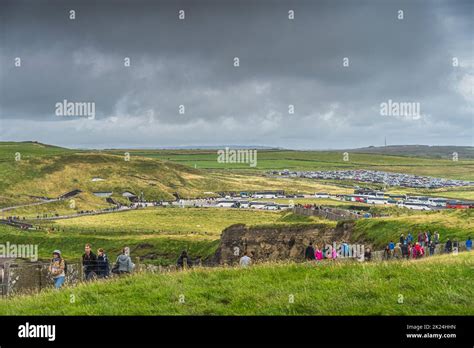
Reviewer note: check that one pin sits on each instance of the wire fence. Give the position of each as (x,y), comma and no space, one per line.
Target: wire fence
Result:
(23,277)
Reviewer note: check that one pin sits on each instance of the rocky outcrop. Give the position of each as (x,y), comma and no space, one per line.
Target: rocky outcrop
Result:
(276,242)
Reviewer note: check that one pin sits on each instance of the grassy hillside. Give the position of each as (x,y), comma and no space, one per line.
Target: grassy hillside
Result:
(28,149)
(158,235)
(49,172)
(199,221)
(456,225)
(440,285)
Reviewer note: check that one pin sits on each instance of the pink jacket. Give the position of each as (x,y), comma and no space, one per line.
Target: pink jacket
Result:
(319,255)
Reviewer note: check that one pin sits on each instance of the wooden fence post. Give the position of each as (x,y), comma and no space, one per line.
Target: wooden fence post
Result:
(81,271)
(2,273)
(40,271)
(6,280)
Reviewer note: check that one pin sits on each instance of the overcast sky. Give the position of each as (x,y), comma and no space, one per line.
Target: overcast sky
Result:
(190,62)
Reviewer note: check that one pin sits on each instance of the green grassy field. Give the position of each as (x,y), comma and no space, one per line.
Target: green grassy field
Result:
(320,160)
(176,221)
(157,235)
(456,225)
(439,285)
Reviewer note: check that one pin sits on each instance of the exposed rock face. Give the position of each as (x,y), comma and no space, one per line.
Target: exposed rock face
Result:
(276,243)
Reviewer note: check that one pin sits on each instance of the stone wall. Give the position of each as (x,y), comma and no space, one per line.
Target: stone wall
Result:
(17,276)
(334,214)
(21,276)
(275,243)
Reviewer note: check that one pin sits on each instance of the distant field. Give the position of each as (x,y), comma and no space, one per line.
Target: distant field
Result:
(182,221)
(51,171)
(320,160)
(438,285)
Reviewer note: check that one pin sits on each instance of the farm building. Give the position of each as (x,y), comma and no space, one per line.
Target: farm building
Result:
(130,195)
(70,194)
(103,194)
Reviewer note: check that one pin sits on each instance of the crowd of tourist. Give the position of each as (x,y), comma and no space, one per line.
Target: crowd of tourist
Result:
(98,266)
(94,265)
(314,252)
(423,244)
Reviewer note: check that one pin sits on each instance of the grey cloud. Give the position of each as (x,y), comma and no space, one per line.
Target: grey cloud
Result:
(282,62)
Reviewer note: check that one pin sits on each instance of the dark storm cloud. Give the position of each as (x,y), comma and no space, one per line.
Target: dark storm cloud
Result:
(283,62)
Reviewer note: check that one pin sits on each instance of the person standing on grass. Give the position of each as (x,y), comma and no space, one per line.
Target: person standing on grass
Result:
(448,246)
(318,254)
(123,264)
(455,246)
(387,252)
(404,249)
(391,246)
(182,259)
(397,251)
(436,237)
(415,249)
(324,250)
(57,269)
(367,254)
(245,260)
(469,244)
(89,262)
(309,252)
(344,249)
(421,251)
(432,248)
(334,254)
(402,239)
(102,264)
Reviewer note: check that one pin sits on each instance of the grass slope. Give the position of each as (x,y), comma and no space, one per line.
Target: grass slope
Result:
(456,225)
(157,234)
(49,172)
(441,285)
